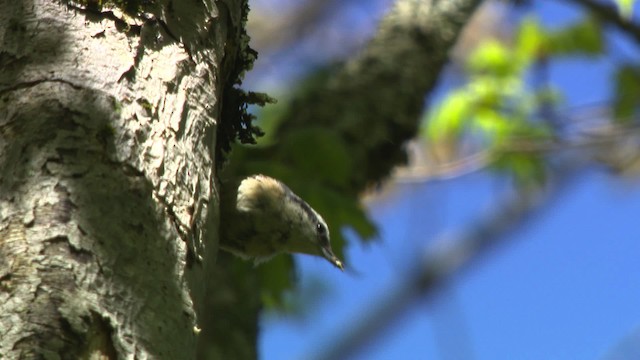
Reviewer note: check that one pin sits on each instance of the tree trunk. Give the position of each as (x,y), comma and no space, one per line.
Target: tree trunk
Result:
(107,191)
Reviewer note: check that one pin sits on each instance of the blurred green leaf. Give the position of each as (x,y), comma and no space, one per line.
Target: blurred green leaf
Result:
(319,153)
(488,91)
(449,117)
(527,169)
(276,276)
(583,37)
(491,57)
(627,92)
(626,7)
(491,122)
(269,117)
(529,41)
(349,212)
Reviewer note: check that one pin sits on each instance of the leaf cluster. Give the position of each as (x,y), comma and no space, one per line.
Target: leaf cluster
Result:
(498,107)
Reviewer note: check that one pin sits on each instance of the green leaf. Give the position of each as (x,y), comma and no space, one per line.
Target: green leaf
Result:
(449,117)
(319,153)
(269,118)
(626,7)
(492,57)
(491,123)
(627,93)
(494,92)
(529,41)
(349,212)
(276,276)
(527,169)
(583,37)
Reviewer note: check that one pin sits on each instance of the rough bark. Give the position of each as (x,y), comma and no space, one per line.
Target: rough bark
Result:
(107,197)
(107,201)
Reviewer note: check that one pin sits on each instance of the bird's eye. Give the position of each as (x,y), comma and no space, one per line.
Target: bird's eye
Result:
(323,236)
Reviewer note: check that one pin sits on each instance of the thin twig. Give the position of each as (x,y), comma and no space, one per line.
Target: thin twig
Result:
(608,135)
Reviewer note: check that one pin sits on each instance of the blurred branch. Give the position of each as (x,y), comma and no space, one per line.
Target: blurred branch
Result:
(610,14)
(612,144)
(272,32)
(627,348)
(449,170)
(373,103)
(447,258)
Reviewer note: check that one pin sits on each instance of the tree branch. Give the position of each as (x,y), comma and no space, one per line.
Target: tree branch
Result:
(372,104)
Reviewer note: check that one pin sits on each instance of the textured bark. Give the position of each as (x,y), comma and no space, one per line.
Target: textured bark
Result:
(107,197)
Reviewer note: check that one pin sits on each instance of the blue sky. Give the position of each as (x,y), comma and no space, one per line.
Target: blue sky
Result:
(565,286)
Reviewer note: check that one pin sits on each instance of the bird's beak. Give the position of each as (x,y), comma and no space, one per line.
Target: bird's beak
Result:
(328,254)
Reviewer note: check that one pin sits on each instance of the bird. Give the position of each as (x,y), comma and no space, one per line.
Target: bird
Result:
(261,218)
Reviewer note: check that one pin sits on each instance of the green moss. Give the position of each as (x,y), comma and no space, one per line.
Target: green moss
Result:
(237,123)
